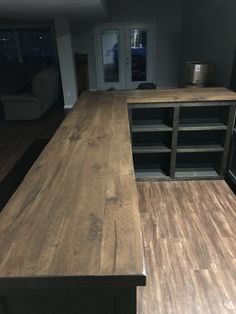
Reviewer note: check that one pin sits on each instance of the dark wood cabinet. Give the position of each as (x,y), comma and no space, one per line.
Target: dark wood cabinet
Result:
(231,175)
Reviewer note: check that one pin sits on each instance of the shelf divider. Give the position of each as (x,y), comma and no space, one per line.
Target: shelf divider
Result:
(231,119)
(174,141)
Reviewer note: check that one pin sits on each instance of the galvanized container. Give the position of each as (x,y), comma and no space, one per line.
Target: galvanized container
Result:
(199,73)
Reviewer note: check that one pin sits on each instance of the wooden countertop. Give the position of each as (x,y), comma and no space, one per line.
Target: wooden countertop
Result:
(74,220)
(76,215)
(180,95)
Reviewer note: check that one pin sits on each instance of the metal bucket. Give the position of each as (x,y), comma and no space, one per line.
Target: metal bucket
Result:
(199,73)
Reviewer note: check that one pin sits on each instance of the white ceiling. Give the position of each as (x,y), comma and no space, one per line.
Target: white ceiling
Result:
(47,9)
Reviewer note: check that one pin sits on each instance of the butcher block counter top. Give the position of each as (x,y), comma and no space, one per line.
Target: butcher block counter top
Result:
(76,215)
(182,95)
(75,220)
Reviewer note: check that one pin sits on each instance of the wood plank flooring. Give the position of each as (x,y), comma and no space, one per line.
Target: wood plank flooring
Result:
(189,233)
(17,136)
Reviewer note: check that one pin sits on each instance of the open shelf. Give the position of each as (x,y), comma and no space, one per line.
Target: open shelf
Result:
(205,172)
(201,165)
(152,119)
(152,166)
(153,142)
(200,148)
(151,149)
(150,126)
(150,174)
(201,141)
(203,118)
(187,126)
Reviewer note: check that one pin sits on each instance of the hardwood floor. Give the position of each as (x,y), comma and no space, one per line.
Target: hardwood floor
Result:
(190,249)
(17,136)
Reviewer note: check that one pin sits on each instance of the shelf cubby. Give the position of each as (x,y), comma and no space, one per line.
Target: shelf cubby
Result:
(201,141)
(152,142)
(203,118)
(152,119)
(201,165)
(152,166)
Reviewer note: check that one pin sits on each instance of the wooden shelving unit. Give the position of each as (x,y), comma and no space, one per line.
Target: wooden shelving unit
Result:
(181,140)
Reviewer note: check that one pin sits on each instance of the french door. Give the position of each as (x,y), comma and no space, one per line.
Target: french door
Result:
(125,55)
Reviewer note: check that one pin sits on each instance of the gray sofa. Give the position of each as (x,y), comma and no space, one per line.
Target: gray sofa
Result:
(32,106)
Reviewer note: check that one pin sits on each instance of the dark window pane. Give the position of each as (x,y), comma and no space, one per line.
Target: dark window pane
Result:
(139,55)
(8,50)
(36,44)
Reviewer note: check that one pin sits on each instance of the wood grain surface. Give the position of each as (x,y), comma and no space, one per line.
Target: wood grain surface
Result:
(76,213)
(75,216)
(189,231)
(181,95)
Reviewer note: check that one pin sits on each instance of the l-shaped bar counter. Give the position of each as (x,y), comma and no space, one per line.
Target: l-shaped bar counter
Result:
(73,225)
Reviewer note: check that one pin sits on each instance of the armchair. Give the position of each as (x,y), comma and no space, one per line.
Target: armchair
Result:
(32,106)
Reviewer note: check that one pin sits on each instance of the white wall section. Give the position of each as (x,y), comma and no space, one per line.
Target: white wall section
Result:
(66,61)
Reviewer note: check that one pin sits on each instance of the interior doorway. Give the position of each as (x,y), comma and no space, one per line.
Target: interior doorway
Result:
(82,72)
(125,55)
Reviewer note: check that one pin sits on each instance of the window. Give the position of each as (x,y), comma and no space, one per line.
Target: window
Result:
(8,48)
(28,44)
(36,44)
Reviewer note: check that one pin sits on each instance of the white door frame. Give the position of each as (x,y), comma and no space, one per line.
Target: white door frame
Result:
(125,54)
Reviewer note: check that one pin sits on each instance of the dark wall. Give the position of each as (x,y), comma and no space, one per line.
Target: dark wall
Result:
(209,33)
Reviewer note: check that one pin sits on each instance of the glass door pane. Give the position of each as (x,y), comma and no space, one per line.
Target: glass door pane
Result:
(140,52)
(110,51)
(138,55)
